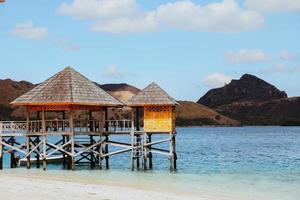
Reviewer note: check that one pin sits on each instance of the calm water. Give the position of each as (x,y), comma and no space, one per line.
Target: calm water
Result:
(218,163)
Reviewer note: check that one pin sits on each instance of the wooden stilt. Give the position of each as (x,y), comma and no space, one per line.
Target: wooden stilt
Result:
(12,154)
(145,152)
(37,153)
(106,139)
(72,140)
(106,152)
(64,140)
(150,153)
(138,153)
(64,155)
(172,153)
(44,141)
(91,153)
(28,140)
(132,141)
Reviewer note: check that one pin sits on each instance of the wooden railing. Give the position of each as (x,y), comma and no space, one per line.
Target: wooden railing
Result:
(61,126)
(118,126)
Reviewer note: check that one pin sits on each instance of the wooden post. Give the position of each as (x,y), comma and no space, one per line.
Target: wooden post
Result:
(137,115)
(172,153)
(132,141)
(72,140)
(44,140)
(28,139)
(150,153)
(106,139)
(1,147)
(12,154)
(64,137)
(100,138)
(144,150)
(138,143)
(37,154)
(37,142)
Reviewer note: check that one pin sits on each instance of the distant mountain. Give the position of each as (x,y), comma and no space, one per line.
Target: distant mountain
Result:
(188,113)
(192,114)
(247,88)
(9,90)
(253,101)
(120,91)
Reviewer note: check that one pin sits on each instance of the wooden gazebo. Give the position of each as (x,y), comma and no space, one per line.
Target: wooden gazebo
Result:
(67,91)
(158,118)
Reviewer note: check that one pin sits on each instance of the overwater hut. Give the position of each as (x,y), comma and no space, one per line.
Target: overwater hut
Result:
(66,91)
(159,114)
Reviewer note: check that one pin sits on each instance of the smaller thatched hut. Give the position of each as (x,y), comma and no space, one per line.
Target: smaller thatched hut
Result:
(159,109)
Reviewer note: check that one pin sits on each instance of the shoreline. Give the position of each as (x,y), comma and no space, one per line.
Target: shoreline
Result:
(42,186)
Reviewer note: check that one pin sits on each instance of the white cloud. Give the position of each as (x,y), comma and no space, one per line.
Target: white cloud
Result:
(27,30)
(66,43)
(90,9)
(287,55)
(112,16)
(281,68)
(247,56)
(112,71)
(274,5)
(216,80)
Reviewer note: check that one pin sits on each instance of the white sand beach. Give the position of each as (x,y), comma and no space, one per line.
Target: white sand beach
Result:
(22,187)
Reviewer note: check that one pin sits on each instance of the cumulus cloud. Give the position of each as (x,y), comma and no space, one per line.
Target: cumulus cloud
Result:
(114,16)
(66,44)
(216,80)
(112,71)
(274,5)
(287,55)
(27,30)
(90,9)
(281,68)
(247,56)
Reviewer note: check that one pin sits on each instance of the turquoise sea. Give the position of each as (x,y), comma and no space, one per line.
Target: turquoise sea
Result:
(251,163)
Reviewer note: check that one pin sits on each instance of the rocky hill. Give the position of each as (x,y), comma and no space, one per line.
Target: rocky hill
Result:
(9,90)
(254,102)
(121,91)
(192,114)
(247,88)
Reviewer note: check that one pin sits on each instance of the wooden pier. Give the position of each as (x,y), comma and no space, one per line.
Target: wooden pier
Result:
(40,137)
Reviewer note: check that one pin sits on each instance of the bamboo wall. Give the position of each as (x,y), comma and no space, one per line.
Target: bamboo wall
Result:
(159,119)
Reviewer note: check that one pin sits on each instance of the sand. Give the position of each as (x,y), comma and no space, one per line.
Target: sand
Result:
(24,187)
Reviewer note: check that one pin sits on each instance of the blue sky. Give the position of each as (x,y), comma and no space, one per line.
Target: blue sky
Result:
(187,47)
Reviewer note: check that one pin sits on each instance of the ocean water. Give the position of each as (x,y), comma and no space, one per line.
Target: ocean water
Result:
(239,163)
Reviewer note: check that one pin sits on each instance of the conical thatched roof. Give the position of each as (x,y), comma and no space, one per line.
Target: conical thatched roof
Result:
(67,87)
(151,95)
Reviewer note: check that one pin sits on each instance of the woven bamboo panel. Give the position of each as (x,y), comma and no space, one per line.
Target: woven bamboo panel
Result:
(159,119)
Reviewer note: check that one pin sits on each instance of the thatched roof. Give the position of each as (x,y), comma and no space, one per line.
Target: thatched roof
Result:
(151,95)
(67,87)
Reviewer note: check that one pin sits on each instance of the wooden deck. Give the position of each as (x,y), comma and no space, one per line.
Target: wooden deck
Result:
(80,142)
